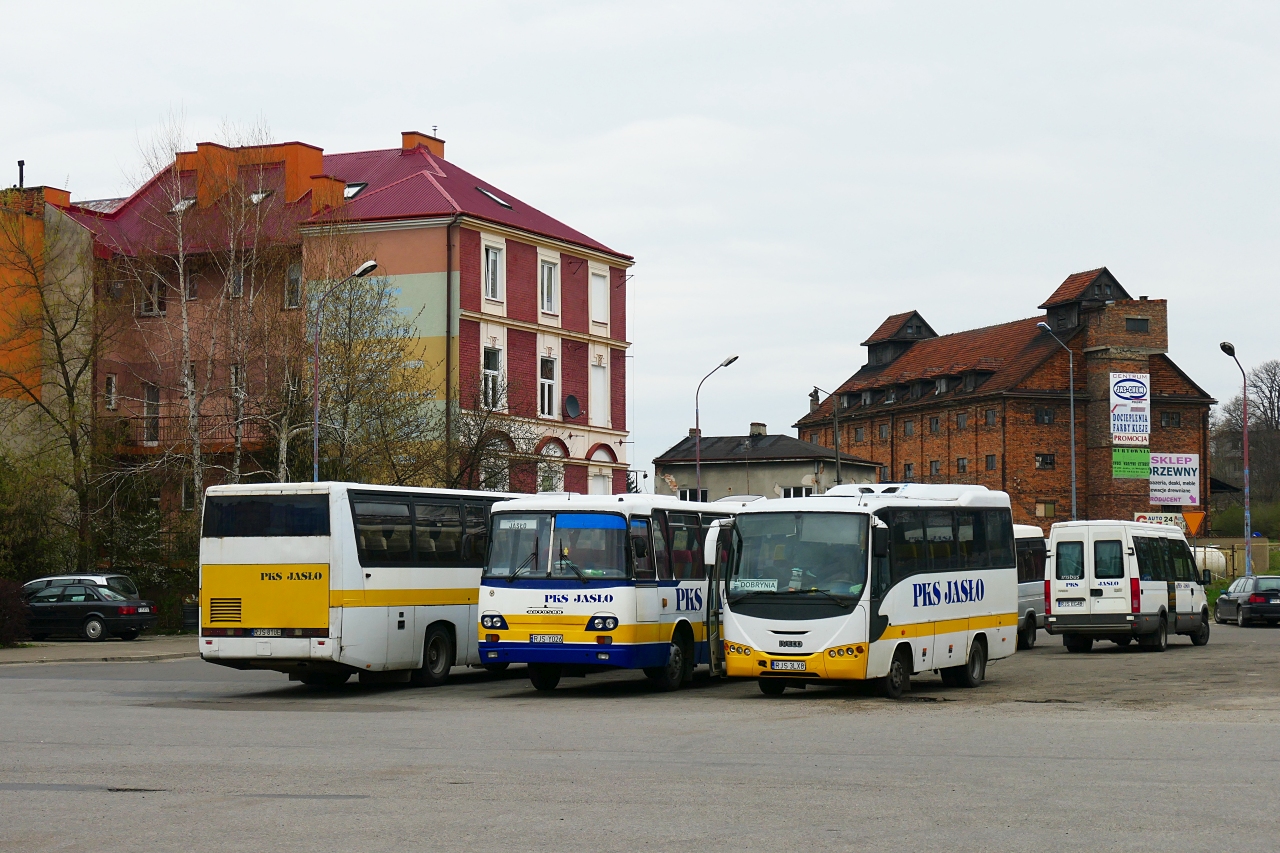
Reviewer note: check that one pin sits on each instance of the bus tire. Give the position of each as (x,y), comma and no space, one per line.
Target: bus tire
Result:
(974,671)
(437,658)
(497,667)
(544,676)
(898,680)
(772,686)
(678,669)
(1157,640)
(327,680)
(1200,636)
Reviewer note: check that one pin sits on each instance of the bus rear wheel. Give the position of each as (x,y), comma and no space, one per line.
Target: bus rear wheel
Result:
(437,658)
(898,680)
(544,676)
(1077,644)
(772,686)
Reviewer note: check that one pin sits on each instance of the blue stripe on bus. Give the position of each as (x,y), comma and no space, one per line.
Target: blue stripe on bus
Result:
(522,582)
(590,521)
(621,656)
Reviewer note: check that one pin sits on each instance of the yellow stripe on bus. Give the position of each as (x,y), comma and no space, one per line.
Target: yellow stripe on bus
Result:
(949,626)
(401,597)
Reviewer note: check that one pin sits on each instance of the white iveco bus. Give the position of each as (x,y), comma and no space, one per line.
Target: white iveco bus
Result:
(322,580)
(865,582)
(577,584)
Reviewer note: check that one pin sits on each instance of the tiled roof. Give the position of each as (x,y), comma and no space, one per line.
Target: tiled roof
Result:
(888,328)
(1074,286)
(756,448)
(407,184)
(1007,353)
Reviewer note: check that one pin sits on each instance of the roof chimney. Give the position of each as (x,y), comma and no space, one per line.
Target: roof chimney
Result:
(692,432)
(758,428)
(411,139)
(21,164)
(813,401)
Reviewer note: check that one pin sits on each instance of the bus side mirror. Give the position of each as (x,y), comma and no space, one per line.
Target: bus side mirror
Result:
(1206,578)
(642,548)
(879,541)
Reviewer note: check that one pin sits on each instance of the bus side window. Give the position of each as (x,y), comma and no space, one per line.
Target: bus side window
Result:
(1184,568)
(999,539)
(1160,551)
(907,554)
(1069,561)
(384,534)
(475,539)
(438,532)
(686,548)
(941,538)
(643,562)
(1146,568)
(661,555)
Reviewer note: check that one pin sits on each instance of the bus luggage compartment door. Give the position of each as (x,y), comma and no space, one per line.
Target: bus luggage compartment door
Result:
(264,596)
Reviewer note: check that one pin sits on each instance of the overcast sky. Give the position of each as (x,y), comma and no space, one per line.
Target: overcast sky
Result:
(786,174)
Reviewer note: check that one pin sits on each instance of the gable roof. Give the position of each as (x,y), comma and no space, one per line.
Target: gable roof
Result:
(891,329)
(1075,287)
(413,183)
(752,448)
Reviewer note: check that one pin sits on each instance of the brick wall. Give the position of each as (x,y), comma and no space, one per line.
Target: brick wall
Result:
(468,361)
(522,372)
(619,482)
(575,478)
(617,304)
(573,293)
(573,375)
(522,281)
(469,263)
(618,388)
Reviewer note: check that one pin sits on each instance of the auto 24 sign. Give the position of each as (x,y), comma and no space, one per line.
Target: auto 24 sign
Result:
(1131,409)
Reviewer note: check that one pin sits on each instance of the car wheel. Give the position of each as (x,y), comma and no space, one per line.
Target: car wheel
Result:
(94,629)
(1200,636)
(39,637)
(1240,623)
(898,679)
(1027,636)
(131,634)
(1158,640)
(772,686)
(1122,641)
(1217,614)
(544,676)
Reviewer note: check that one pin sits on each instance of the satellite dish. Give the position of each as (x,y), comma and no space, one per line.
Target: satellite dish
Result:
(571,406)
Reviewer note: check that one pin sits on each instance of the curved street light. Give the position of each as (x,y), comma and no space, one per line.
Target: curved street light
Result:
(697,425)
(1071,387)
(1230,349)
(360,272)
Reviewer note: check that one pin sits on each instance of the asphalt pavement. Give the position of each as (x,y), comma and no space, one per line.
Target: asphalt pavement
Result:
(1119,748)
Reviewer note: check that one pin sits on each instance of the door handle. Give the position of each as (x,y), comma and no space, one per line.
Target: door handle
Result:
(1096,593)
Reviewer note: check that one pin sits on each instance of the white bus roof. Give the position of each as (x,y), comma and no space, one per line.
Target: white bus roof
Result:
(325,487)
(629,504)
(1027,531)
(1137,525)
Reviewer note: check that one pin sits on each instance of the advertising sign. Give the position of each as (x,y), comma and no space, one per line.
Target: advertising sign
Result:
(1173,519)
(1175,479)
(1131,409)
(1130,463)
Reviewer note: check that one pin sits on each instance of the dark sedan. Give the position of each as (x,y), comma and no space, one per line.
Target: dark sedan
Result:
(1248,600)
(93,612)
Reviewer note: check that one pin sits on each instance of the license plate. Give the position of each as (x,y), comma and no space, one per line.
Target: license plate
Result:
(266,632)
(546,638)
(144,609)
(797,665)
(1071,602)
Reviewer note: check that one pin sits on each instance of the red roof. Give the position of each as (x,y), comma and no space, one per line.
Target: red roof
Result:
(1074,287)
(889,328)
(415,183)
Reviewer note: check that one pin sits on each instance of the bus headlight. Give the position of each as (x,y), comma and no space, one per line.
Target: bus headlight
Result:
(602,623)
(493,621)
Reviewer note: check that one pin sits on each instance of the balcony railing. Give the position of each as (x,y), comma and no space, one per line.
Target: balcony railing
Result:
(162,431)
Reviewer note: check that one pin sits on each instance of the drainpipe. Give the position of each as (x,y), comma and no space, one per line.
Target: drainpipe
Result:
(448,347)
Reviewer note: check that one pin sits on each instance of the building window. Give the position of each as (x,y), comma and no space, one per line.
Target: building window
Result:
(598,402)
(547,388)
(908,427)
(884,432)
(962,465)
(891,396)
(153,296)
(991,417)
(908,470)
(813,438)
(867,397)
(991,462)
(237,380)
(1044,414)
(150,413)
(917,389)
(192,287)
(797,491)
(188,495)
(935,424)
(492,272)
(692,495)
(859,434)
(1141,325)
(935,467)
(970,382)
(548,280)
(941,387)
(599,298)
(1171,419)
(236,285)
(962,420)
(1045,461)
(110,395)
(1045,509)
(491,385)
(551,468)
(293,287)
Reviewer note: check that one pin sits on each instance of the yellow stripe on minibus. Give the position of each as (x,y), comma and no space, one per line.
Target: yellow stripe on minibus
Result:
(401,597)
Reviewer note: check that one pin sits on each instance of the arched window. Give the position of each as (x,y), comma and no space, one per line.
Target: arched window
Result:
(551,467)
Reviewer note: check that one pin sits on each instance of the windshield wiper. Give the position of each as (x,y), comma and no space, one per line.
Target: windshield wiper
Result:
(839,601)
(533,556)
(565,561)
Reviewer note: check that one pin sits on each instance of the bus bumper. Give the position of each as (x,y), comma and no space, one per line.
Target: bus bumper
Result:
(826,664)
(623,656)
(267,650)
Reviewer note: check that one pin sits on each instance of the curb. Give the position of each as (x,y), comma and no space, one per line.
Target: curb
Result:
(111,659)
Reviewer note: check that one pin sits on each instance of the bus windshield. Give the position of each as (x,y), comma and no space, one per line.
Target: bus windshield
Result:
(564,545)
(799,552)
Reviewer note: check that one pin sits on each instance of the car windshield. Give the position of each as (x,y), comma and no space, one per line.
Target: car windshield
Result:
(799,552)
(582,545)
(110,594)
(1269,584)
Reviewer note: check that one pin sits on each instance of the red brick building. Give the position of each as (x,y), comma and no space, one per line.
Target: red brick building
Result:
(990,405)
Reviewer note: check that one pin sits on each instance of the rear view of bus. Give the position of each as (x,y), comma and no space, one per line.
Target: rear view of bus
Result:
(870,582)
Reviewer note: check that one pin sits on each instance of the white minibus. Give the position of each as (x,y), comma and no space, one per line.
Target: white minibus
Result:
(322,580)
(576,584)
(870,582)
(1120,581)
(1029,542)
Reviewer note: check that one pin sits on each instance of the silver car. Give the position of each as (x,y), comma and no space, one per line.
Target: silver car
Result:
(1030,544)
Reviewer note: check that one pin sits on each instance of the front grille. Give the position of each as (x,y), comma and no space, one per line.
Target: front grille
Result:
(224,610)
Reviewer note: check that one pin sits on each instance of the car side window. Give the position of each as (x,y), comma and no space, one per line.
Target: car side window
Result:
(78,593)
(1236,586)
(1069,561)
(47,596)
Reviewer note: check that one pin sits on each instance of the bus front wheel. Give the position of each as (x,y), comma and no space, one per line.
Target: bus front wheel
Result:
(772,686)
(544,676)
(898,679)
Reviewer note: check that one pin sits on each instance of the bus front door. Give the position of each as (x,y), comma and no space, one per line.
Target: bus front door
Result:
(647,605)
(716,554)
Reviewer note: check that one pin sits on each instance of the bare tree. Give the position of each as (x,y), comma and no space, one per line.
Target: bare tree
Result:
(1263,383)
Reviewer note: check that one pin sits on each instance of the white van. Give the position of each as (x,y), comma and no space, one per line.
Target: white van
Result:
(1030,544)
(1120,581)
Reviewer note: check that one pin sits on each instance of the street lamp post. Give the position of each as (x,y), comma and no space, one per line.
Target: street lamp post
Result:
(1230,350)
(361,271)
(1071,388)
(697,425)
(835,427)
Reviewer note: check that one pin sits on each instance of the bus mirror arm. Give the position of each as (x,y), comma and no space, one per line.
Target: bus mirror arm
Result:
(879,542)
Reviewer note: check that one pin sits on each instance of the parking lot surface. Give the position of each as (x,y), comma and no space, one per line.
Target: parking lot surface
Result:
(1118,748)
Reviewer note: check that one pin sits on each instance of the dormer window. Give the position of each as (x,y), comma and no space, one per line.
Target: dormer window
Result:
(970,381)
(890,396)
(354,189)
(866,398)
(941,387)
(917,389)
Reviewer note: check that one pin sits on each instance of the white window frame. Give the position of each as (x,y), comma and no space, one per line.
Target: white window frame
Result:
(692,495)
(548,402)
(490,380)
(493,278)
(111,391)
(598,416)
(598,303)
(289,292)
(548,286)
(797,491)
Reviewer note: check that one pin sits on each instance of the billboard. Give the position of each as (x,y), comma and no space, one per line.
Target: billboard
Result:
(1175,479)
(1131,409)
(1174,519)
(1130,463)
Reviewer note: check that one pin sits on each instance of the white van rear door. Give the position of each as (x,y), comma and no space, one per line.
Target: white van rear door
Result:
(1069,585)
(1108,588)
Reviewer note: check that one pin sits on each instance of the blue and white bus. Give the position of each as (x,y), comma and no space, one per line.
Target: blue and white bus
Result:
(578,584)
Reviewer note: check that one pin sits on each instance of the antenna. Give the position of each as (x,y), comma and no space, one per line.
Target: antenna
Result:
(433,130)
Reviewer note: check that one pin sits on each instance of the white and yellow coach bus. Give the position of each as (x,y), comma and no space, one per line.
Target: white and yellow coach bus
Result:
(578,584)
(322,580)
(870,582)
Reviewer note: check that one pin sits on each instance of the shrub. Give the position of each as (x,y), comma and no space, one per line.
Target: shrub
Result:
(13,613)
